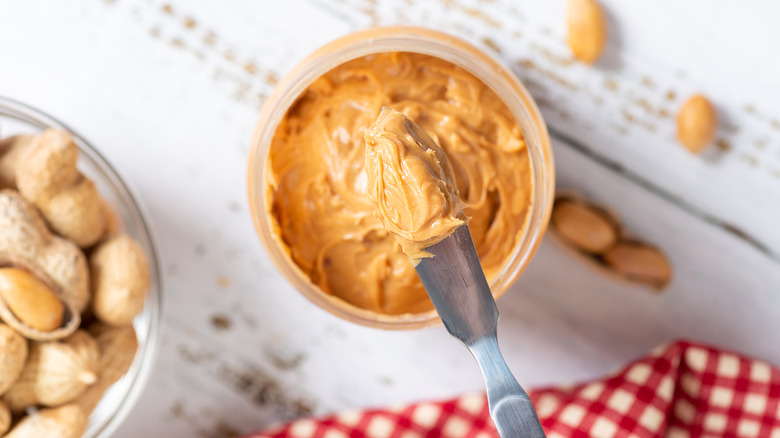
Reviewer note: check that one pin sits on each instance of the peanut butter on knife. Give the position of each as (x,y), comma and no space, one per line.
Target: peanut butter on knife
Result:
(410,182)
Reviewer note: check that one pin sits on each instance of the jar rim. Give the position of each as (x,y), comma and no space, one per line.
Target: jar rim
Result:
(400,39)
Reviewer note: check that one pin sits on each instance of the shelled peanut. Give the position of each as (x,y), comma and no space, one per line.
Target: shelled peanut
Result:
(49,358)
(697,122)
(587,29)
(597,236)
(31,300)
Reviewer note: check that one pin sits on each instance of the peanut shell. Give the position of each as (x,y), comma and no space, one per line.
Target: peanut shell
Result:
(69,317)
(47,176)
(120,280)
(67,421)
(616,261)
(5,418)
(30,299)
(89,399)
(11,149)
(587,29)
(112,221)
(77,213)
(25,241)
(697,123)
(118,346)
(56,372)
(13,356)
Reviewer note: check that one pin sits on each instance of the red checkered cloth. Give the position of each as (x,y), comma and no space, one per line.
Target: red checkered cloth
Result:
(680,390)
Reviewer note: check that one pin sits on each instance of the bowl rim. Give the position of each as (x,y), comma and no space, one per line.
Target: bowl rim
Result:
(28,114)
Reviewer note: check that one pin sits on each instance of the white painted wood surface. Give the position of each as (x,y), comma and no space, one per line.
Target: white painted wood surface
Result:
(170,91)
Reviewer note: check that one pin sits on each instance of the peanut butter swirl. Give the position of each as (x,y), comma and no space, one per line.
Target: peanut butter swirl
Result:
(317,182)
(411,183)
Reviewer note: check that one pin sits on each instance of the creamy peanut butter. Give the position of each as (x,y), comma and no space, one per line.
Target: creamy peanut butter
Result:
(410,182)
(318,183)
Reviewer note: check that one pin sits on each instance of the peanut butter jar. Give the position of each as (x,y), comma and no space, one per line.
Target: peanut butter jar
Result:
(378,41)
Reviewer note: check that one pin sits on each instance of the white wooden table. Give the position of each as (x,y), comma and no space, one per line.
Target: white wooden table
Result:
(170,91)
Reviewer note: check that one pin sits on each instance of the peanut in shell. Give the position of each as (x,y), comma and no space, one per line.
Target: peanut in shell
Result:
(112,221)
(118,346)
(47,176)
(89,399)
(67,421)
(11,149)
(13,356)
(25,241)
(56,372)
(120,280)
(5,418)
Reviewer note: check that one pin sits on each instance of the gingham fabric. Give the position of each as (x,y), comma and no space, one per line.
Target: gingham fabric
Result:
(680,390)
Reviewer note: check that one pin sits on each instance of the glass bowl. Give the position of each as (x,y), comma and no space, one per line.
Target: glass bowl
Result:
(18,118)
(401,39)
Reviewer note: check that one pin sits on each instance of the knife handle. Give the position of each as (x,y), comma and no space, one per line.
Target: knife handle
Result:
(510,407)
